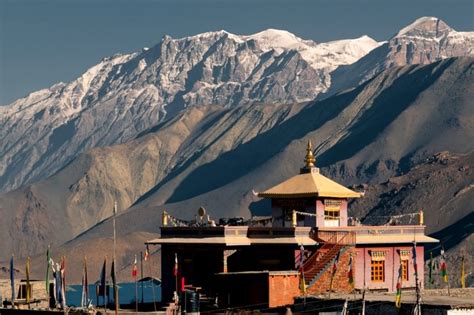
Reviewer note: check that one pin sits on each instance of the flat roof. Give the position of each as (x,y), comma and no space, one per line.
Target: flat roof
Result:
(236,241)
(394,239)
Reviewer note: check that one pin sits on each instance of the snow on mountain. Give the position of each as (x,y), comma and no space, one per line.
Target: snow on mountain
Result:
(426,40)
(124,95)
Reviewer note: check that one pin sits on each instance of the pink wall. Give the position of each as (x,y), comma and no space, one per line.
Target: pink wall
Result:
(392,263)
(320,213)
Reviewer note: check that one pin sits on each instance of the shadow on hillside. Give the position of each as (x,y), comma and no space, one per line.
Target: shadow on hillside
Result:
(385,109)
(249,156)
(451,236)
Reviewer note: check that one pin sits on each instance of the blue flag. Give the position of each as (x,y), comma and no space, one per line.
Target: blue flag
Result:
(12,279)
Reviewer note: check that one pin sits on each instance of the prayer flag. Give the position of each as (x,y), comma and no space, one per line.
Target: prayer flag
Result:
(135,268)
(28,280)
(302,284)
(350,272)
(398,297)
(175,269)
(48,258)
(463,275)
(63,281)
(85,286)
(12,279)
(147,253)
(444,267)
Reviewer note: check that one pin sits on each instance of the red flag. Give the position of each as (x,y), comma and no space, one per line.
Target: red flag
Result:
(135,268)
(182,284)
(350,272)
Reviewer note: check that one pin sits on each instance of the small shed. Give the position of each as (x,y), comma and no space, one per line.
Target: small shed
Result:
(257,289)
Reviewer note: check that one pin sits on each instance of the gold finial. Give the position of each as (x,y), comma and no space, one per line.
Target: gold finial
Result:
(309,160)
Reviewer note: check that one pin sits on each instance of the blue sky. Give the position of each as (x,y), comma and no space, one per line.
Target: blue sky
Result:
(46,41)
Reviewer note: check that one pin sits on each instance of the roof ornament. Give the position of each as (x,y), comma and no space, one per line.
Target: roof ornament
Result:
(309,160)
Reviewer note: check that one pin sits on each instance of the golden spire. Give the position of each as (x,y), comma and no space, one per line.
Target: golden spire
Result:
(309,160)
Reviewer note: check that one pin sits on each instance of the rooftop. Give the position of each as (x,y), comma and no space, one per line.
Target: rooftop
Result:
(310,183)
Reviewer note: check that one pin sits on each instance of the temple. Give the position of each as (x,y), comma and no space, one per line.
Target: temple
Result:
(311,247)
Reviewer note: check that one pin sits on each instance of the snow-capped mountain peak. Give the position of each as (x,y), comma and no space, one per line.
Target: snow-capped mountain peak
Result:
(278,39)
(124,95)
(427,27)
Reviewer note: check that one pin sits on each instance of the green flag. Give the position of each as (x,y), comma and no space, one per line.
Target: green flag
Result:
(48,257)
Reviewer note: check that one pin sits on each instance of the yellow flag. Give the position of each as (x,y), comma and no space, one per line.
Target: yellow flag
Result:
(303,284)
(28,280)
(463,275)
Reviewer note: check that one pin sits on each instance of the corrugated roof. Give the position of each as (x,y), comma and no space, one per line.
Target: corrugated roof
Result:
(308,185)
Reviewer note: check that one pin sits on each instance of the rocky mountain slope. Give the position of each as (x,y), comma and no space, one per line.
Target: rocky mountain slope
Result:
(426,40)
(215,156)
(125,95)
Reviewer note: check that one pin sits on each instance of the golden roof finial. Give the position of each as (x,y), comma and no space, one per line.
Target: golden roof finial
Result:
(309,160)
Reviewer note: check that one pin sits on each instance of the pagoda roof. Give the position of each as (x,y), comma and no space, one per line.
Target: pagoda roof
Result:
(309,184)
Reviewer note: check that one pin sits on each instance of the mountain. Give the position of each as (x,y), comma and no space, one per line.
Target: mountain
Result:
(124,95)
(215,156)
(426,40)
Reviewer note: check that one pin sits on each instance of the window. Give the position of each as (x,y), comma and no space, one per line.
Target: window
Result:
(331,215)
(404,269)
(377,270)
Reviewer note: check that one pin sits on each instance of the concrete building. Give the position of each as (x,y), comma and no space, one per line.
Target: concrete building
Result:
(250,265)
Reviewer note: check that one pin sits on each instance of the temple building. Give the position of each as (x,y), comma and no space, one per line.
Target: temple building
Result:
(310,240)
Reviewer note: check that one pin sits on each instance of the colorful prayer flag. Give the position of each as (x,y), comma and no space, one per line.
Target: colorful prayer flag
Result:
(135,268)
(398,297)
(444,267)
(12,279)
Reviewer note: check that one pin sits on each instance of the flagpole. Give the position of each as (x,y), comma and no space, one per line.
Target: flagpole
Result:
(141,272)
(28,282)
(176,275)
(47,276)
(114,262)
(136,283)
(12,281)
